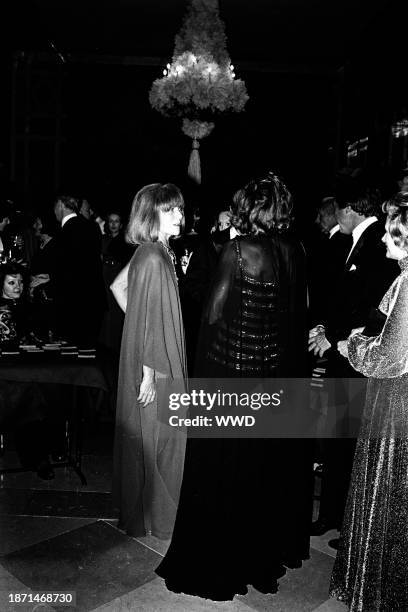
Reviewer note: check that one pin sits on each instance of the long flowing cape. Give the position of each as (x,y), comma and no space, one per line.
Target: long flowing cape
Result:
(146,450)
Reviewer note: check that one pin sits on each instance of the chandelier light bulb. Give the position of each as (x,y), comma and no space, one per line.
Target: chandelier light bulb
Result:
(168,66)
(165,72)
(232,68)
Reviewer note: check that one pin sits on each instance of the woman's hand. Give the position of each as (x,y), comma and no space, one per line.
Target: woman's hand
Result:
(356,330)
(342,348)
(37,280)
(147,390)
(318,342)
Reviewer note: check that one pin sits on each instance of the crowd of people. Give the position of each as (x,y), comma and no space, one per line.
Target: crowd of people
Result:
(55,271)
(245,296)
(257,319)
(67,258)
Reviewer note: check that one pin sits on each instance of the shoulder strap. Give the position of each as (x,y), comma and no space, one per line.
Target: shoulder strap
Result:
(238,252)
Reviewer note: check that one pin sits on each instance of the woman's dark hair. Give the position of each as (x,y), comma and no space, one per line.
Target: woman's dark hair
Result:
(263,205)
(11,269)
(397,219)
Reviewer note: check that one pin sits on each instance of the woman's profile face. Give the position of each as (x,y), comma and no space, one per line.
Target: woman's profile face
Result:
(170,222)
(12,286)
(393,251)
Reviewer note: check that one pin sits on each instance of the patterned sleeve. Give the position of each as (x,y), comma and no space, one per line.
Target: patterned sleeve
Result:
(386,355)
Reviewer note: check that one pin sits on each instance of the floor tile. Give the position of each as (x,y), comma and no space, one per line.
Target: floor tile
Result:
(154,597)
(71,504)
(97,561)
(10,584)
(321,542)
(17,532)
(300,590)
(25,606)
(50,537)
(159,546)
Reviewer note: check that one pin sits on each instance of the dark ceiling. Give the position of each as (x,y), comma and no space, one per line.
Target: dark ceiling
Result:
(273,34)
(291,120)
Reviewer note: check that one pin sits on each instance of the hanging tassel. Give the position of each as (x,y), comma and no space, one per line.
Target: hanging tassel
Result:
(194,166)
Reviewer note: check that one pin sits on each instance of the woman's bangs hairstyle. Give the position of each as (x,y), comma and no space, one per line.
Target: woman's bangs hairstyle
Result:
(397,219)
(12,269)
(144,223)
(263,205)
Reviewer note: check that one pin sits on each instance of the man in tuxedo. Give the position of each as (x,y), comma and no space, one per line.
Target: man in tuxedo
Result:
(79,288)
(364,279)
(89,213)
(327,260)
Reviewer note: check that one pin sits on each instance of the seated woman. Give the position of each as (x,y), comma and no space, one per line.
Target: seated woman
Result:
(13,306)
(245,504)
(23,408)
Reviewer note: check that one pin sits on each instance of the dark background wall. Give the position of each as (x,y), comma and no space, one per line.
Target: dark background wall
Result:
(112,142)
(319,76)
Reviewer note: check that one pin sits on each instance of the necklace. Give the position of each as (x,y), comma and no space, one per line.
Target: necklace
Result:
(172,256)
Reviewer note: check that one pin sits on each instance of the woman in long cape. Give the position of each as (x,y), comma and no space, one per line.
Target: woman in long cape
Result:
(148,453)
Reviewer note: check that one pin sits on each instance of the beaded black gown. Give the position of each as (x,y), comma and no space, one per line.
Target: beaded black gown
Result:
(371,569)
(245,507)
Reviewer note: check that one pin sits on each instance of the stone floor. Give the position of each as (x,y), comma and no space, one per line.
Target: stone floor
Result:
(61,536)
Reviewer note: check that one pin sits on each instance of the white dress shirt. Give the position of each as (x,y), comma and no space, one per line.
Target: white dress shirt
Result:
(358,231)
(67,218)
(334,230)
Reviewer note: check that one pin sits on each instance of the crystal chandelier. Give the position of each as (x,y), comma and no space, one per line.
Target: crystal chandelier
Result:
(199,84)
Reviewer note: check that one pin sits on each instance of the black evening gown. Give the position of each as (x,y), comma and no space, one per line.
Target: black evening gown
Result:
(371,569)
(245,508)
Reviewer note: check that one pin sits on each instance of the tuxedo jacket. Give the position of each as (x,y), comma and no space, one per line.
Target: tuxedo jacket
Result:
(326,267)
(362,282)
(79,288)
